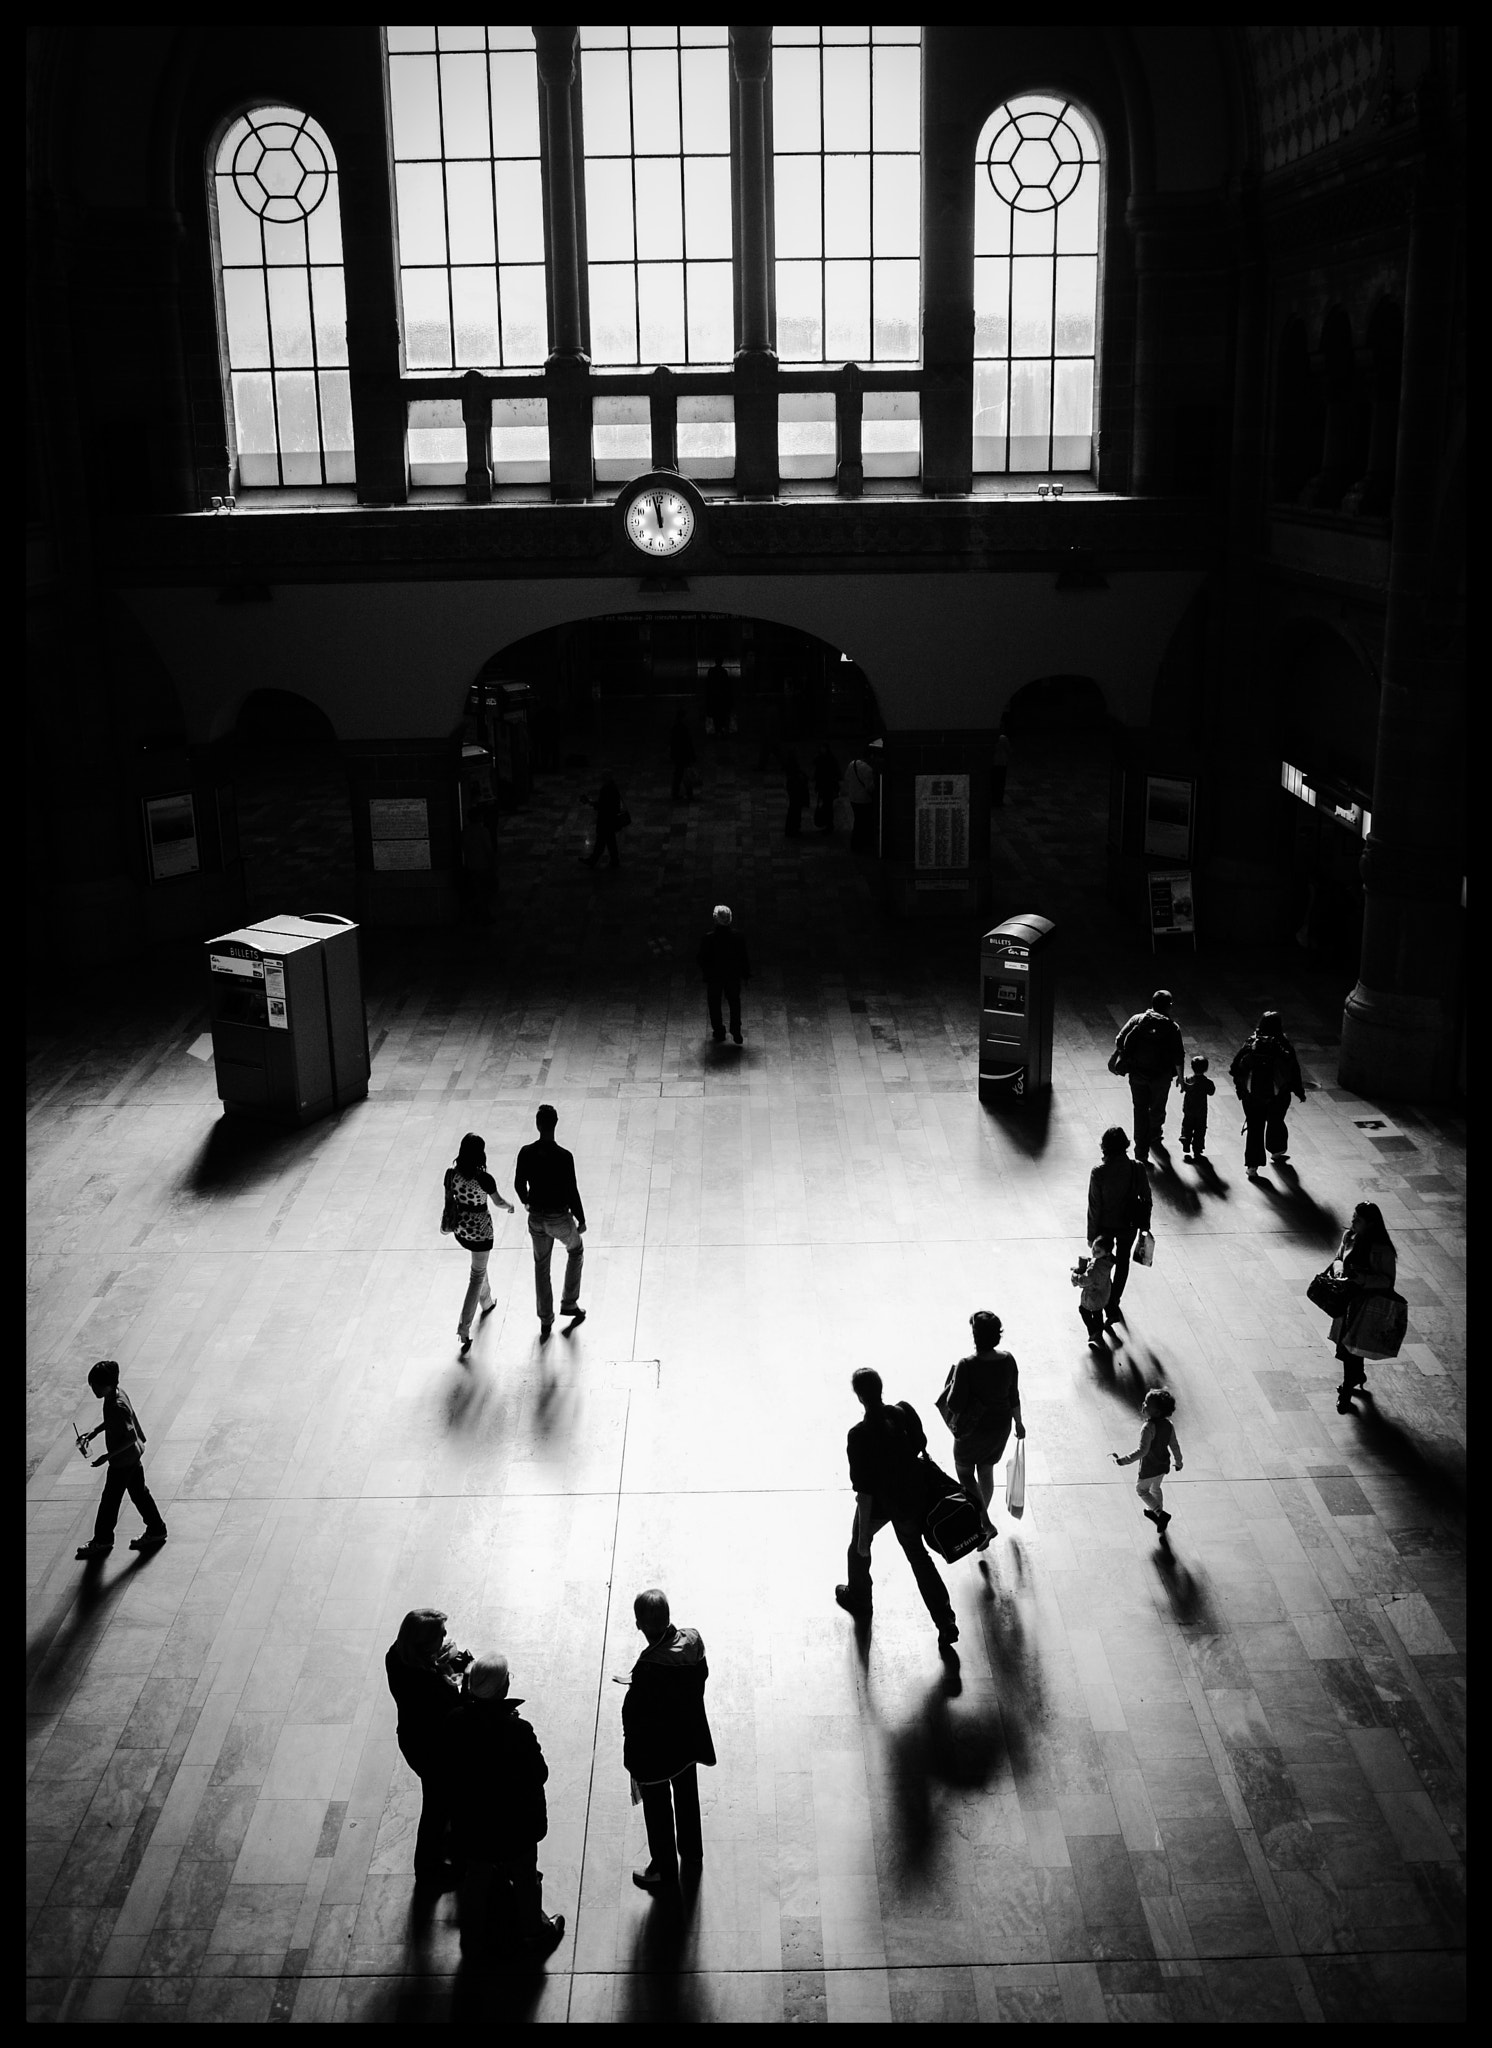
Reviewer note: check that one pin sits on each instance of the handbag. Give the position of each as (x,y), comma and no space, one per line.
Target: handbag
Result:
(952,1524)
(1330,1292)
(449,1211)
(1376,1327)
(1144,1251)
(1015,1481)
(1118,1064)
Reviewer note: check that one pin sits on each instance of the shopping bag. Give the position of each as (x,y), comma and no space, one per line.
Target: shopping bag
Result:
(1144,1251)
(1015,1481)
(1330,1292)
(1376,1327)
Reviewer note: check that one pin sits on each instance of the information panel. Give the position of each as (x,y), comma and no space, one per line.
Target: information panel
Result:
(942,804)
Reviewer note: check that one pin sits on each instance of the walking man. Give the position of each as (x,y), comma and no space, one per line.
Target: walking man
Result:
(885,1452)
(1150,1053)
(665,1736)
(725,964)
(544,1181)
(124,1439)
(496,1775)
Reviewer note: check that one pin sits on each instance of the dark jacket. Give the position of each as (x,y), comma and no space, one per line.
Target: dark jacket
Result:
(1156,1050)
(723,956)
(1118,1199)
(425,1700)
(663,1715)
(884,1452)
(124,1433)
(608,804)
(825,776)
(985,1397)
(544,1179)
(1265,1071)
(495,1777)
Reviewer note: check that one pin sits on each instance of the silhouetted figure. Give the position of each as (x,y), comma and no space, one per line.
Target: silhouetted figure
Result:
(424,1671)
(497,1775)
(607,804)
(681,754)
(665,1736)
(124,1441)
(467,1186)
(860,788)
(1195,1089)
(885,1452)
(1365,1256)
(1119,1204)
(980,1402)
(720,698)
(1151,1056)
(544,1181)
(1266,1074)
(725,964)
(1158,1445)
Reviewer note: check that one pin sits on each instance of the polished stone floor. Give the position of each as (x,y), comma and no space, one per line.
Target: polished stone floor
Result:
(1219,1781)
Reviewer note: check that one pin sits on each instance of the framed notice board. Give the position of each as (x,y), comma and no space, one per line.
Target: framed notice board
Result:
(1172,911)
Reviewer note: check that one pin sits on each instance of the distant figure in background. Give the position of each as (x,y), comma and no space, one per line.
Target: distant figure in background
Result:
(1158,1445)
(665,1736)
(860,788)
(797,796)
(607,804)
(681,754)
(1151,1055)
(1195,1089)
(424,1669)
(544,1181)
(124,1440)
(1119,1204)
(467,1186)
(497,1775)
(1366,1256)
(1266,1074)
(720,698)
(999,768)
(825,787)
(725,964)
(478,864)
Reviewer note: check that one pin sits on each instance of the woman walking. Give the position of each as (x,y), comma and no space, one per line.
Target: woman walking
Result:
(980,1401)
(1266,1074)
(1158,1445)
(1367,1258)
(468,1184)
(1118,1207)
(424,1674)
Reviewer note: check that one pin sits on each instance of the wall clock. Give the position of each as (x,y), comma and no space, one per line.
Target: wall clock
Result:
(660,517)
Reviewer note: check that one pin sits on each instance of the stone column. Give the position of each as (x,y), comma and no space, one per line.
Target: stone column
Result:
(571,472)
(1400,1022)
(756,358)
(476,417)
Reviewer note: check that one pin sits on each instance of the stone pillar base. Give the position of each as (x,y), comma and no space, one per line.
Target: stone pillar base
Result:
(1400,1048)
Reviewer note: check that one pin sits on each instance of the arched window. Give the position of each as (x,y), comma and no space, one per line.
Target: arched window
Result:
(847,167)
(465,115)
(1037,196)
(656,115)
(278,232)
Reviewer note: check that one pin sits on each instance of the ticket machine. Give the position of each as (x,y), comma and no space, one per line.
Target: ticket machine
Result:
(1015,1008)
(289,1031)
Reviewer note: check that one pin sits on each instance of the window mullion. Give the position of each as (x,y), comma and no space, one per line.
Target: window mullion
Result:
(497,275)
(445,204)
(678,73)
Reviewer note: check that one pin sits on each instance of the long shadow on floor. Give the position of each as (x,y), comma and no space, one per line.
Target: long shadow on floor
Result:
(660,1987)
(1435,1469)
(1024,1124)
(242,1151)
(1310,1222)
(937,1746)
(75,1624)
(1127,1372)
(1186,1590)
(1167,1186)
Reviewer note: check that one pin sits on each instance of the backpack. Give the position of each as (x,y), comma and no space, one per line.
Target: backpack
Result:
(1149,1048)
(1267,1071)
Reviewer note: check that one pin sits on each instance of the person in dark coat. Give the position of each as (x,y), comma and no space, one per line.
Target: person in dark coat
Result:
(725,964)
(1266,1074)
(424,1672)
(497,1773)
(1365,1256)
(983,1401)
(885,1452)
(665,1737)
(720,698)
(681,754)
(607,804)
(825,787)
(1119,1204)
(1152,1055)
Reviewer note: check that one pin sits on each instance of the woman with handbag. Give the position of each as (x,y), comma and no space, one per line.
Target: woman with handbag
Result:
(467,1219)
(980,1401)
(1365,1257)
(1118,1207)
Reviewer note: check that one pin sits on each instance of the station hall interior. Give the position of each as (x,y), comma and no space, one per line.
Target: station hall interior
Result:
(1059,431)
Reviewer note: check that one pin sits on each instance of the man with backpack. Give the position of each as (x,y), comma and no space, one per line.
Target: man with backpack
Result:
(885,1451)
(1150,1054)
(1266,1074)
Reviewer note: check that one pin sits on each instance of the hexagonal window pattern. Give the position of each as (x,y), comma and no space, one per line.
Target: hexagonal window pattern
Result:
(278,244)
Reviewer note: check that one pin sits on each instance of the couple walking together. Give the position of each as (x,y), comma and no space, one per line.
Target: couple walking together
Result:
(544,1181)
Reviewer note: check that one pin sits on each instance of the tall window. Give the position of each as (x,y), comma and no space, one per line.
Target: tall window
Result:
(465,105)
(1036,216)
(656,107)
(846,139)
(279,246)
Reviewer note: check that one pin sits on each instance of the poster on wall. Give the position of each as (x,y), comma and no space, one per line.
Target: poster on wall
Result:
(1168,816)
(171,836)
(942,808)
(400,826)
(1171,909)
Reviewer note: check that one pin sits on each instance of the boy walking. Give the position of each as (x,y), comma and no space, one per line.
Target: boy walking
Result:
(1195,1089)
(1095,1276)
(1158,1445)
(123,1440)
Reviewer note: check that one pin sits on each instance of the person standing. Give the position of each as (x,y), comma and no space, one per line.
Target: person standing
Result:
(497,1774)
(423,1668)
(885,1454)
(1266,1074)
(681,754)
(1158,1445)
(797,796)
(725,964)
(665,1737)
(1151,1055)
(607,804)
(1195,1090)
(1119,1205)
(124,1441)
(544,1181)
(1366,1256)
(980,1402)
(720,698)
(860,788)
(825,787)
(467,1185)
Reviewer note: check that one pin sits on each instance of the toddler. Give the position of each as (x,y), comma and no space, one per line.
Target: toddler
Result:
(1095,1276)
(1158,1445)
(1195,1089)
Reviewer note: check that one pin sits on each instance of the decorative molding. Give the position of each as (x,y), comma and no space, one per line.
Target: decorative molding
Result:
(1315,87)
(1375,207)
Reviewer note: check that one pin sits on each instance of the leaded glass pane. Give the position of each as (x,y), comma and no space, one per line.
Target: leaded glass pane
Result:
(895,286)
(800,312)
(427,319)
(470,226)
(414,101)
(463,107)
(419,192)
(847,311)
(711,312)
(660,313)
(660,207)
(846,90)
(520,218)
(247,319)
(707,206)
(524,312)
(520,440)
(515,103)
(800,209)
(474,316)
(805,434)
(847,206)
(329,298)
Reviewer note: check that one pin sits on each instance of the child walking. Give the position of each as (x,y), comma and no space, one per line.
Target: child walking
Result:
(1195,1089)
(1095,1276)
(123,1439)
(1158,1445)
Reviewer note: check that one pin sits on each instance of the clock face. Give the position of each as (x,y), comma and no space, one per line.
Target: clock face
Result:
(660,521)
